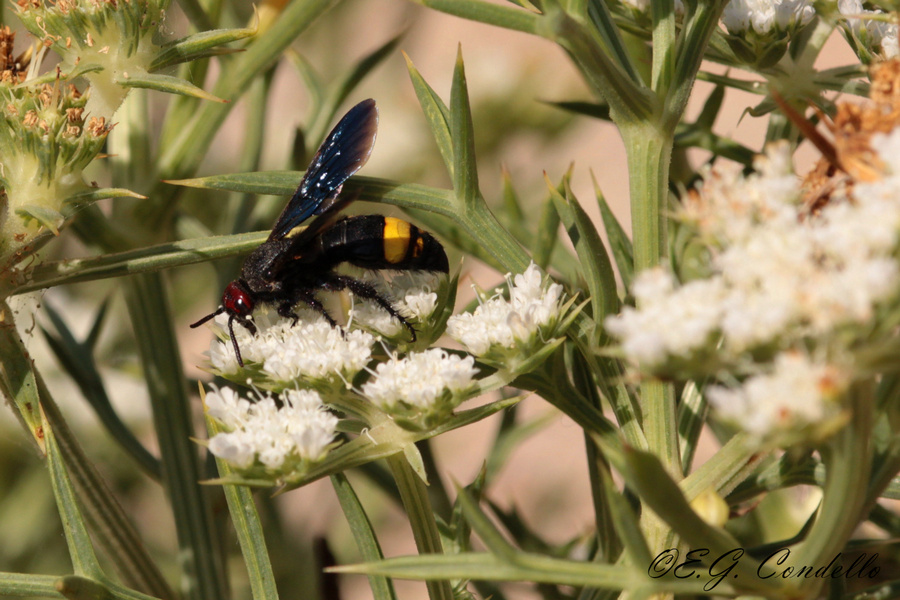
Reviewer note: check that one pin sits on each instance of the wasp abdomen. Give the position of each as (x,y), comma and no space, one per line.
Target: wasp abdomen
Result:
(379,242)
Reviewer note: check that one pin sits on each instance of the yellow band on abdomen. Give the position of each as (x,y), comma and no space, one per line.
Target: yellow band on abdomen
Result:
(396,239)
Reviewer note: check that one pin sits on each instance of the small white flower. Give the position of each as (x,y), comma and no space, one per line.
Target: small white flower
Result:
(516,323)
(311,350)
(432,381)
(278,438)
(798,393)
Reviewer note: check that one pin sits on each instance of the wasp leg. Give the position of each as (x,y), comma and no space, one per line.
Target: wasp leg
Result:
(286,309)
(369,292)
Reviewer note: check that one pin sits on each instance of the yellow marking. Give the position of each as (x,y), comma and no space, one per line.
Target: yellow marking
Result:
(419,248)
(396,239)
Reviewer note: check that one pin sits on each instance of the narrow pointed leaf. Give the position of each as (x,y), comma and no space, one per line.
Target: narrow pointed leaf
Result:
(81,550)
(363,534)
(198,45)
(248,529)
(492,14)
(462,132)
(592,253)
(168,84)
(622,250)
(90,196)
(436,112)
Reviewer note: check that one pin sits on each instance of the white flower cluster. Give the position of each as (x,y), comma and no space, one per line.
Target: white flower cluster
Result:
(425,382)
(311,350)
(798,393)
(415,297)
(515,324)
(764,16)
(876,34)
(275,437)
(784,281)
(779,275)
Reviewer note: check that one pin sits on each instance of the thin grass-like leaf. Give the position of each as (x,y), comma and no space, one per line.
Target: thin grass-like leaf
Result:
(622,250)
(598,273)
(167,84)
(198,45)
(77,359)
(363,534)
(414,495)
(437,114)
(462,134)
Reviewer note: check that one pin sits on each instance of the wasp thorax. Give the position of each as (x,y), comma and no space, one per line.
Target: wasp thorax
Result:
(237,299)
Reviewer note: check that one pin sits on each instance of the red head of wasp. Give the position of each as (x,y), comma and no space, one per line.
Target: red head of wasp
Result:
(287,270)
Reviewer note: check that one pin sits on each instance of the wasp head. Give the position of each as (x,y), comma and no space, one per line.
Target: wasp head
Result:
(238,303)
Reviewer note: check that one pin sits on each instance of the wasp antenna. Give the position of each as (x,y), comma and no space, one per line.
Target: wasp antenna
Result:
(208,317)
(237,350)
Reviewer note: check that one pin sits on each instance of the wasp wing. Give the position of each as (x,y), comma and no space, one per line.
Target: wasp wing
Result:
(343,153)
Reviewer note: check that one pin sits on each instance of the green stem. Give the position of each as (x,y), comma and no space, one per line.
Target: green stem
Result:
(204,574)
(848,462)
(414,495)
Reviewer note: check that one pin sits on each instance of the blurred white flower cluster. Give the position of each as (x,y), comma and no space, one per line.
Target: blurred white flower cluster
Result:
(261,434)
(763,16)
(872,32)
(796,283)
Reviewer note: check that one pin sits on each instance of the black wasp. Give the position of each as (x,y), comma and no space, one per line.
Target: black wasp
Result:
(289,269)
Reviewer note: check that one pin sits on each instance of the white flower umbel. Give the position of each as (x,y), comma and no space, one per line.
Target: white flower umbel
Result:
(414,295)
(262,435)
(871,32)
(423,387)
(798,399)
(780,276)
(311,351)
(764,16)
(501,328)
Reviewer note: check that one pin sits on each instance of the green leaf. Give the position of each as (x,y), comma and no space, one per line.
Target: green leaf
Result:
(462,133)
(527,567)
(436,113)
(598,273)
(199,45)
(17,378)
(414,495)
(77,359)
(47,217)
(90,196)
(623,253)
(363,534)
(81,550)
(166,83)
(658,491)
(142,260)
(493,14)
(248,528)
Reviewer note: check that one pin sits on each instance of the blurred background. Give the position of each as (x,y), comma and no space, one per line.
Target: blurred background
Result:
(512,79)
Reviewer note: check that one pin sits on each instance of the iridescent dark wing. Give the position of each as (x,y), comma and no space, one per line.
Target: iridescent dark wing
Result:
(343,153)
